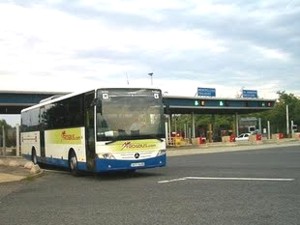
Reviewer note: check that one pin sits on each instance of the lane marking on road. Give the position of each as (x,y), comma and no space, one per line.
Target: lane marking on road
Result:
(227,179)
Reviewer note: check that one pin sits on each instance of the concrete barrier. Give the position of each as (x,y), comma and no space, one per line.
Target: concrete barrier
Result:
(296,135)
(277,136)
(226,139)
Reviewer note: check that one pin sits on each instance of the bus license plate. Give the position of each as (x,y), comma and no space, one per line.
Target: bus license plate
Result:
(137,164)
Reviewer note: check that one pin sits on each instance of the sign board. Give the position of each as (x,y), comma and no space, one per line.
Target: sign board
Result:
(206,92)
(295,127)
(248,119)
(250,94)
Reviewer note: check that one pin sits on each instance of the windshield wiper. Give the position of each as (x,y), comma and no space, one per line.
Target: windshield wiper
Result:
(161,140)
(110,142)
(154,137)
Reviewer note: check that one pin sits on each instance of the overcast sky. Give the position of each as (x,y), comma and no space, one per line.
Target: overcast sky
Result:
(63,45)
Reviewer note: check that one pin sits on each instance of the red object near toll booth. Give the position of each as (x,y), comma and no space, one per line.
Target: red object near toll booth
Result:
(202,140)
(258,137)
(232,138)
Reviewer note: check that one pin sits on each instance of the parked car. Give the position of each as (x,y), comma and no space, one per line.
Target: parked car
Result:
(243,137)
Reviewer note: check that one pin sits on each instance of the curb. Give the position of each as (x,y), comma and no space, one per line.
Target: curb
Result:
(194,150)
(33,176)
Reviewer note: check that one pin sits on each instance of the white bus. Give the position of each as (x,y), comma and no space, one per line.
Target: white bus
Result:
(106,129)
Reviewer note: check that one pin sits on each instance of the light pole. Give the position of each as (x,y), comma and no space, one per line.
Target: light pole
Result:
(151,75)
(287,121)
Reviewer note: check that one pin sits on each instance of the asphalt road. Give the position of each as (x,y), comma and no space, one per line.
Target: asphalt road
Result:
(247,187)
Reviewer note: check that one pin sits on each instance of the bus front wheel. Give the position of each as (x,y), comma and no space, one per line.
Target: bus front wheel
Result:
(73,163)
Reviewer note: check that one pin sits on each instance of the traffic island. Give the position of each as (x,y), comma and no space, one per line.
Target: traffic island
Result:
(16,169)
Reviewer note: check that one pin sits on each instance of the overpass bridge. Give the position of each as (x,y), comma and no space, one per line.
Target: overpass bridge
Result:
(12,102)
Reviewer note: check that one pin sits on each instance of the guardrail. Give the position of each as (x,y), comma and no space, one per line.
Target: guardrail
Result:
(186,142)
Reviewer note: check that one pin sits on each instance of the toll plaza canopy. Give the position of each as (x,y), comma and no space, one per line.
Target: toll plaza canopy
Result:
(12,102)
(213,105)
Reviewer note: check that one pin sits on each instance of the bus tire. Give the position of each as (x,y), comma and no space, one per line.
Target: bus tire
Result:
(34,156)
(73,163)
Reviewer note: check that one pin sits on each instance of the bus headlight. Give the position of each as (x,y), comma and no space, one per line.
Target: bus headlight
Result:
(161,152)
(106,156)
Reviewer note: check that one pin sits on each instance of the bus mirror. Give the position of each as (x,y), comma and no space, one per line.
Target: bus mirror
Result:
(96,101)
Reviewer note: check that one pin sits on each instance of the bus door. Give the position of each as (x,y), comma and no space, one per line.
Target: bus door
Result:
(42,132)
(89,117)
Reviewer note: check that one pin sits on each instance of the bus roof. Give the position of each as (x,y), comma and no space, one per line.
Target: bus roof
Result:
(57,98)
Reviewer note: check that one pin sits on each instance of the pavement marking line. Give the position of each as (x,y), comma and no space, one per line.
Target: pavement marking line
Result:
(173,180)
(228,178)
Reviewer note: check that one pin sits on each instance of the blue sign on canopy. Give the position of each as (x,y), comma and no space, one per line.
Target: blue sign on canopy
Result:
(250,94)
(206,92)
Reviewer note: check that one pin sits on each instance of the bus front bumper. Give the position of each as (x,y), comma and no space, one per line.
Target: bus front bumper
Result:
(103,165)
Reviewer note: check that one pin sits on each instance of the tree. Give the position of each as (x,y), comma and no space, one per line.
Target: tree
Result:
(277,116)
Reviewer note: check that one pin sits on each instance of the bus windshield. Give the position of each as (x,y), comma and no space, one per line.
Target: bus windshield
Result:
(129,114)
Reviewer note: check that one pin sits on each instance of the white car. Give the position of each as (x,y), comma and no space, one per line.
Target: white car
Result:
(243,137)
